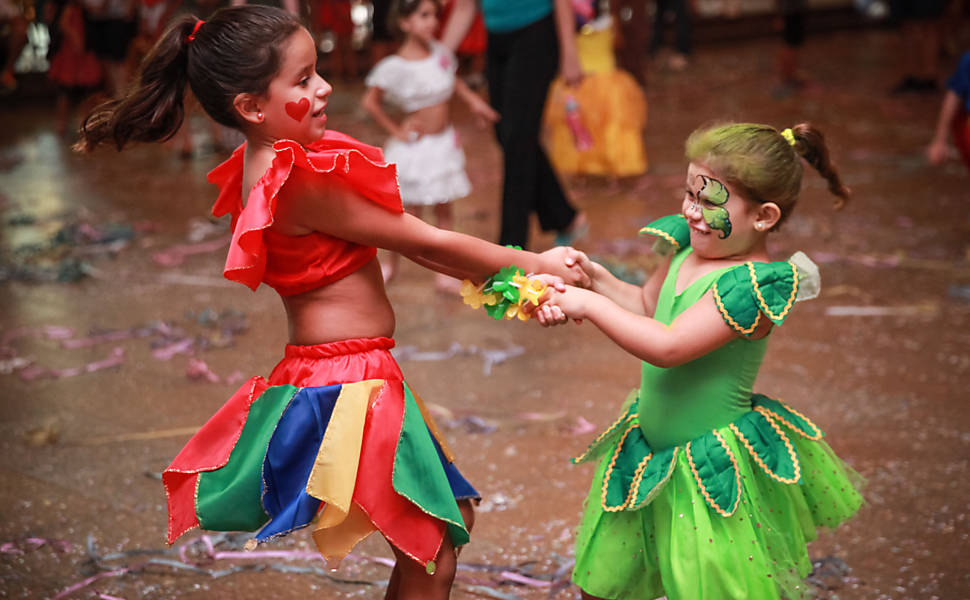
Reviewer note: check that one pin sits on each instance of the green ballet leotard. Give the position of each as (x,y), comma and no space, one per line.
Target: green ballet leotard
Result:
(705,490)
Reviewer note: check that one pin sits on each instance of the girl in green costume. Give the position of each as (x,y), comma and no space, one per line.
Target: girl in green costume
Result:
(705,490)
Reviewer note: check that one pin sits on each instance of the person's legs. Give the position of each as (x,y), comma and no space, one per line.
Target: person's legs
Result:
(657,39)
(410,581)
(682,26)
(15,45)
(531,61)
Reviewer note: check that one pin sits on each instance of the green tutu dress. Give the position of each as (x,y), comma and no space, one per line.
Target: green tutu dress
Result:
(705,490)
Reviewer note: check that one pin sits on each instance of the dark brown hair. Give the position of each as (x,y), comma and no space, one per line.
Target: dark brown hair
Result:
(402,9)
(763,164)
(237,50)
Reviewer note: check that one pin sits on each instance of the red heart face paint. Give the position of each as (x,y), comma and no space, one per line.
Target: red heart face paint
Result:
(298,110)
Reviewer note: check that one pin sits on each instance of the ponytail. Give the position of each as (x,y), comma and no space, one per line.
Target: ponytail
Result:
(810,145)
(238,50)
(152,108)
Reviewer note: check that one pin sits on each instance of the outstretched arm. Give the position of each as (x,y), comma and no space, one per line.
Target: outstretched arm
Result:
(697,331)
(636,299)
(459,22)
(343,213)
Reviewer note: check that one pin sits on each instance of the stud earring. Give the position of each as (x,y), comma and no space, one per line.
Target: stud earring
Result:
(259,115)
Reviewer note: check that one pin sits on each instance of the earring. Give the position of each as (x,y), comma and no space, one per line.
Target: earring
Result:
(259,115)
(759,226)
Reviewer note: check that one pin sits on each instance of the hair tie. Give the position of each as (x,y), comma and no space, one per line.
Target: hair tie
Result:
(191,37)
(789,136)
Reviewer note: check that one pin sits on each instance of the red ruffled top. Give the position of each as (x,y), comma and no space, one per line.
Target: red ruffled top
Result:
(296,264)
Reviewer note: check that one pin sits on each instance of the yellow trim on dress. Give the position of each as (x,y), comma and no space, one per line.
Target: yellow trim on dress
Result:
(609,471)
(757,459)
(761,299)
(771,414)
(663,234)
(609,431)
(730,320)
(700,482)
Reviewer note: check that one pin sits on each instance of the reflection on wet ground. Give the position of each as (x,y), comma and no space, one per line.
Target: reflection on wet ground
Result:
(119,338)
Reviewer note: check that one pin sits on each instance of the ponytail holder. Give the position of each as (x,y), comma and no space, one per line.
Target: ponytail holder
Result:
(191,37)
(789,136)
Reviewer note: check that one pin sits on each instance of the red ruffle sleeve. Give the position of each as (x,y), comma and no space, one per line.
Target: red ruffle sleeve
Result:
(356,164)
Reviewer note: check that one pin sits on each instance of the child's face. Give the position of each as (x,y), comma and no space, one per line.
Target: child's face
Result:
(293,106)
(722,222)
(422,23)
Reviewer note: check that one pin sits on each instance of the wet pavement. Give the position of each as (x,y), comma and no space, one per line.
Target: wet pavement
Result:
(104,375)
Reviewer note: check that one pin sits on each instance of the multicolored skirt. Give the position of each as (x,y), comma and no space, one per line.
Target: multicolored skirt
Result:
(335,437)
(726,515)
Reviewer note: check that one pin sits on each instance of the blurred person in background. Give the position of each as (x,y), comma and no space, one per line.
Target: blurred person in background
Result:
(920,21)
(528,42)
(954,116)
(110,29)
(334,16)
(680,9)
(151,18)
(11,18)
(381,41)
(74,69)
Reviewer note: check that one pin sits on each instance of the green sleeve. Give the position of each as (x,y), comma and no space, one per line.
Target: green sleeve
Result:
(672,234)
(748,291)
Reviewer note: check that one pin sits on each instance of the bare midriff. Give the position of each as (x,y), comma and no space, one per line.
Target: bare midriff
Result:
(353,307)
(430,119)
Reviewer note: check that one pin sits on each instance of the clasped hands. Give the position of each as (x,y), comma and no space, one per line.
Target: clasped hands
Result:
(561,301)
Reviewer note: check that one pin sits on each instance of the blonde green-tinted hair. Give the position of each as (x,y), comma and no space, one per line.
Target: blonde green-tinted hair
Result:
(762,164)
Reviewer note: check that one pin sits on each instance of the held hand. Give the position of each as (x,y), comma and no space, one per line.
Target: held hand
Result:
(578,258)
(567,263)
(557,307)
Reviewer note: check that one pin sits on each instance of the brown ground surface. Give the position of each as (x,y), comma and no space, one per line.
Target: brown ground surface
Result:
(889,390)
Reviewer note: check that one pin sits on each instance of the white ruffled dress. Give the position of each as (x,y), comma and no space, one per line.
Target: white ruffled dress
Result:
(431,168)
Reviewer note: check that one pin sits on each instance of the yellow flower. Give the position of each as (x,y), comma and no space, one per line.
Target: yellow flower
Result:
(532,291)
(471,295)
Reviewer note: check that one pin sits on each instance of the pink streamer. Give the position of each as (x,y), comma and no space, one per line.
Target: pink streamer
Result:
(175,255)
(85,583)
(582,426)
(179,347)
(116,358)
(515,577)
(292,554)
(197,369)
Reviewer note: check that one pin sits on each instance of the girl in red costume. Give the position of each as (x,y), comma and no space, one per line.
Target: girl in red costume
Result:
(335,435)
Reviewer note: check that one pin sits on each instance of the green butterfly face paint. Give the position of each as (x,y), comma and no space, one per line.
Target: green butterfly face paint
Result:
(714,192)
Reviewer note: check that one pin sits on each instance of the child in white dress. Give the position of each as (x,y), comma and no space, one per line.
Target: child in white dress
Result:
(419,80)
